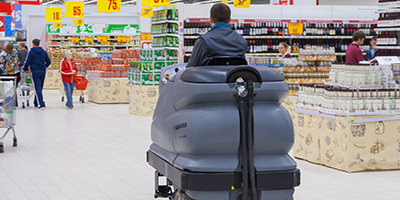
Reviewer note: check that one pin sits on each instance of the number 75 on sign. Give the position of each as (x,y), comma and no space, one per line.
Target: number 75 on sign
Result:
(109,6)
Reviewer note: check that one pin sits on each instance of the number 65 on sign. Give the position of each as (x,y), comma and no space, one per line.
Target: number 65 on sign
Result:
(109,6)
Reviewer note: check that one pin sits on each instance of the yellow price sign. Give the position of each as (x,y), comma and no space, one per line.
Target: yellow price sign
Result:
(147,2)
(145,36)
(74,9)
(109,6)
(241,4)
(147,12)
(121,39)
(102,39)
(53,15)
(57,25)
(78,22)
(224,2)
(295,28)
(89,39)
(75,39)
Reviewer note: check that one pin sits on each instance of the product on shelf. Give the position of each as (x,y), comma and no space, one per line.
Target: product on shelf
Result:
(111,67)
(349,100)
(166,14)
(165,41)
(317,55)
(165,28)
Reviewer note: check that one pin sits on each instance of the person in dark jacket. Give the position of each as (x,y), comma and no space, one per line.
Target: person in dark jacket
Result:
(220,41)
(22,53)
(38,60)
(371,54)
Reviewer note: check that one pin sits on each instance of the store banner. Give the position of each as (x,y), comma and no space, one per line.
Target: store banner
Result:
(147,12)
(74,9)
(8,29)
(241,4)
(109,6)
(282,2)
(96,28)
(2,25)
(18,16)
(6,8)
(28,2)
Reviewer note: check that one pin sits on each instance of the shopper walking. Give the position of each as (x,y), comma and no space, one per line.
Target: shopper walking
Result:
(10,64)
(68,72)
(353,53)
(284,50)
(372,52)
(22,53)
(1,46)
(38,60)
(220,41)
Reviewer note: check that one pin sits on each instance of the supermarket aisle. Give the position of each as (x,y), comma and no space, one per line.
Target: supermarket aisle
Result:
(97,152)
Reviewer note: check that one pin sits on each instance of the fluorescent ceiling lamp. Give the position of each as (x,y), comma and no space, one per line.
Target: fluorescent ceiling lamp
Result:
(50,2)
(126,2)
(90,1)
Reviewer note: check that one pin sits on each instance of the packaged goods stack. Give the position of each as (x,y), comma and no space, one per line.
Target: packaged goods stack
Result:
(352,117)
(108,76)
(144,75)
(264,36)
(388,28)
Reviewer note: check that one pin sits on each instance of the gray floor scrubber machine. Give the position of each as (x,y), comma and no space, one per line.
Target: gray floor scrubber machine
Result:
(219,132)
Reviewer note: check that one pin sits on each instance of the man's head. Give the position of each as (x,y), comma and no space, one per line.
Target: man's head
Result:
(373,42)
(1,45)
(220,13)
(359,37)
(35,42)
(22,45)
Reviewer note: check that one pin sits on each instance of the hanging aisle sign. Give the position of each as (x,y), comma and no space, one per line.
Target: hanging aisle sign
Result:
(109,6)
(147,12)
(74,9)
(53,15)
(241,4)
(224,2)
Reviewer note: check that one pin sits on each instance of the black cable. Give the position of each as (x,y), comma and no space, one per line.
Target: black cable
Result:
(250,140)
(243,138)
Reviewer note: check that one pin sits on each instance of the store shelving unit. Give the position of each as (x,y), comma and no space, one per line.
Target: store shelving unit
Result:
(388,28)
(326,38)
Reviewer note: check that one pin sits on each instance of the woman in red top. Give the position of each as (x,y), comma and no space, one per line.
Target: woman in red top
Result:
(68,72)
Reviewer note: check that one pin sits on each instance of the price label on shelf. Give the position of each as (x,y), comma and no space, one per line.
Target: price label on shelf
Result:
(78,22)
(147,12)
(295,28)
(241,4)
(74,9)
(109,6)
(102,39)
(75,39)
(57,25)
(89,39)
(121,39)
(145,36)
(53,15)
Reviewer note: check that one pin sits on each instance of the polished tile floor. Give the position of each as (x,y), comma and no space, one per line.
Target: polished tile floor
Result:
(97,152)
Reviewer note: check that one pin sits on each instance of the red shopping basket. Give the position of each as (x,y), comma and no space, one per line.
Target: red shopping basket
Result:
(81,82)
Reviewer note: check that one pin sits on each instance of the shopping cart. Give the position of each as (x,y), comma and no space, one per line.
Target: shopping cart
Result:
(26,88)
(80,84)
(7,109)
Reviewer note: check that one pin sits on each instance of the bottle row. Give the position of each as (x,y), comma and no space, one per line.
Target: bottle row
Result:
(272,46)
(166,14)
(165,28)
(349,100)
(279,28)
(165,41)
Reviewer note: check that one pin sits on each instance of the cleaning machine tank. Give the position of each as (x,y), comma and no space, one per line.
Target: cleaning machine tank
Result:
(220,132)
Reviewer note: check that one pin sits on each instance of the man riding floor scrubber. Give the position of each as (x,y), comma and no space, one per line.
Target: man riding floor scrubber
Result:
(219,132)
